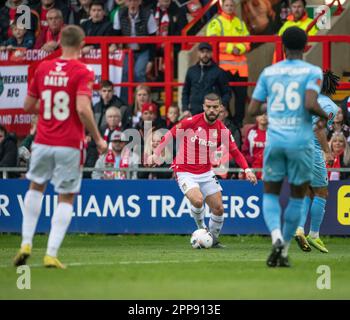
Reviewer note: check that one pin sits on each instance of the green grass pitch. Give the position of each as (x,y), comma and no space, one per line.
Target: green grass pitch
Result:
(166,267)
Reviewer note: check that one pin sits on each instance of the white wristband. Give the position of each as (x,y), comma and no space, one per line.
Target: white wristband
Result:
(247,170)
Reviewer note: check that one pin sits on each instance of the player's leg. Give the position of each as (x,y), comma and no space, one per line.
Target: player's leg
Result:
(299,166)
(59,225)
(272,216)
(317,213)
(216,221)
(211,190)
(191,190)
(67,181)
(197,207)
(39,173)
(292,218)
(274,171)
(32,208)
(300,233)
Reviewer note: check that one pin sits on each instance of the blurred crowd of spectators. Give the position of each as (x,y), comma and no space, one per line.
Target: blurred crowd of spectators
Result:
(114,116)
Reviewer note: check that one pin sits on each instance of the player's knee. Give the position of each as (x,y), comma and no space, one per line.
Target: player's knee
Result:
(198,202)
(218,210)
(292,217)
(321,193)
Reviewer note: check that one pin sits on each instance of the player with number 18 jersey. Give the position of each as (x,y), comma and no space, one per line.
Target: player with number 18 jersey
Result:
(57,83)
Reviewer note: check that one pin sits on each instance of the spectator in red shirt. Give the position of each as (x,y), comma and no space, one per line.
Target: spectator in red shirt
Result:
(49,39)
(254,143)
(43,8)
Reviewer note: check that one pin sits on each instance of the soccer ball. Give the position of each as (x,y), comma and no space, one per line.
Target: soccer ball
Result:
(201,239)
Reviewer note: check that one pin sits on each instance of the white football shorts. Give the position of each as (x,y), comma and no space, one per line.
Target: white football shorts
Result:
(207,182)
(60,165)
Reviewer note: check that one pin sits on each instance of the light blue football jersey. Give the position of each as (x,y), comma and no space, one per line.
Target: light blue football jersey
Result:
(331,109)
(283,86)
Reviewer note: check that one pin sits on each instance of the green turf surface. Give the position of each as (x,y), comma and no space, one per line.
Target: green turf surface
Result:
(166,267)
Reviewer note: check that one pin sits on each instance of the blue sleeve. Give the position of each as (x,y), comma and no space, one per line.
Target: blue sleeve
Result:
(314,81)
(260,91)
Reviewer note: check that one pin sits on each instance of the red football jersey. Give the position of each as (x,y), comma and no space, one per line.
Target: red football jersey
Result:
(199,141)
(57,83)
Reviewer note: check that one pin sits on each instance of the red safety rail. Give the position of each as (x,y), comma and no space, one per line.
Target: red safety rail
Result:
(168,43)
(338,12)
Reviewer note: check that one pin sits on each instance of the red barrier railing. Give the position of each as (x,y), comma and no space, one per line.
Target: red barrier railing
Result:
(168,43)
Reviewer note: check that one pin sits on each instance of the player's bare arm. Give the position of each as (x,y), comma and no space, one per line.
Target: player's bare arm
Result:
(87,118)
(313,106)
(255,108)
(31,105)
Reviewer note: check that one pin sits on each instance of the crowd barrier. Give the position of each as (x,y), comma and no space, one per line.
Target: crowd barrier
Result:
(158,207)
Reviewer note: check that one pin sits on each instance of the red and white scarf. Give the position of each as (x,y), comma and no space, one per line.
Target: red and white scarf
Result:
(108,133)
(52,37)
(162,19)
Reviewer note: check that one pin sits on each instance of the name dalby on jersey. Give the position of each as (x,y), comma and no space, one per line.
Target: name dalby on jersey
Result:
(57,78)
(56,81)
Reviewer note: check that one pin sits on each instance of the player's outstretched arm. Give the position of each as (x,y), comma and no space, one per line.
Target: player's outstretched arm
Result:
(239,158)
(242,162)
(87,118)
(313,106)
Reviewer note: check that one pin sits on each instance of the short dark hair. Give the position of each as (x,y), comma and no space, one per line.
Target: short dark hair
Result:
(106,84)
(303,1)
(97,3)
(294,38)
(212,97)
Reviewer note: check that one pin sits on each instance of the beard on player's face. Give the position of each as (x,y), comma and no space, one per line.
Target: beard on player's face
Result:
(211,116)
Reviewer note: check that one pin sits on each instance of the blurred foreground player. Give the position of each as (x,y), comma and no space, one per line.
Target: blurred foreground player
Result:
(199,138)
(291,88)
(61,93)
(318,190)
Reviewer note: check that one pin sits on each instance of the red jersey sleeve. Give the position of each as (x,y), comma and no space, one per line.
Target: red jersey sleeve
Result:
(233,149)
(86,79)
(33,89)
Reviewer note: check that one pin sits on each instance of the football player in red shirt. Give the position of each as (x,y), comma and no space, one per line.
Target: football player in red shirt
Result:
(200,137)
(60,92)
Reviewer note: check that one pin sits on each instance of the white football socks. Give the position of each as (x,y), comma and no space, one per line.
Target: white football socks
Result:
(32,208)
(275,235)
(314,234)
(59,225)
(215,225)
(198,216)
(285,249)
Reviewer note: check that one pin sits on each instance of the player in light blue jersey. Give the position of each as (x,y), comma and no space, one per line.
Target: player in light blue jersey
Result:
(317,193)
(291,88)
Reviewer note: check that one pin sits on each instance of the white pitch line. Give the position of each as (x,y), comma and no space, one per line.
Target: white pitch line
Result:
(82,264)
